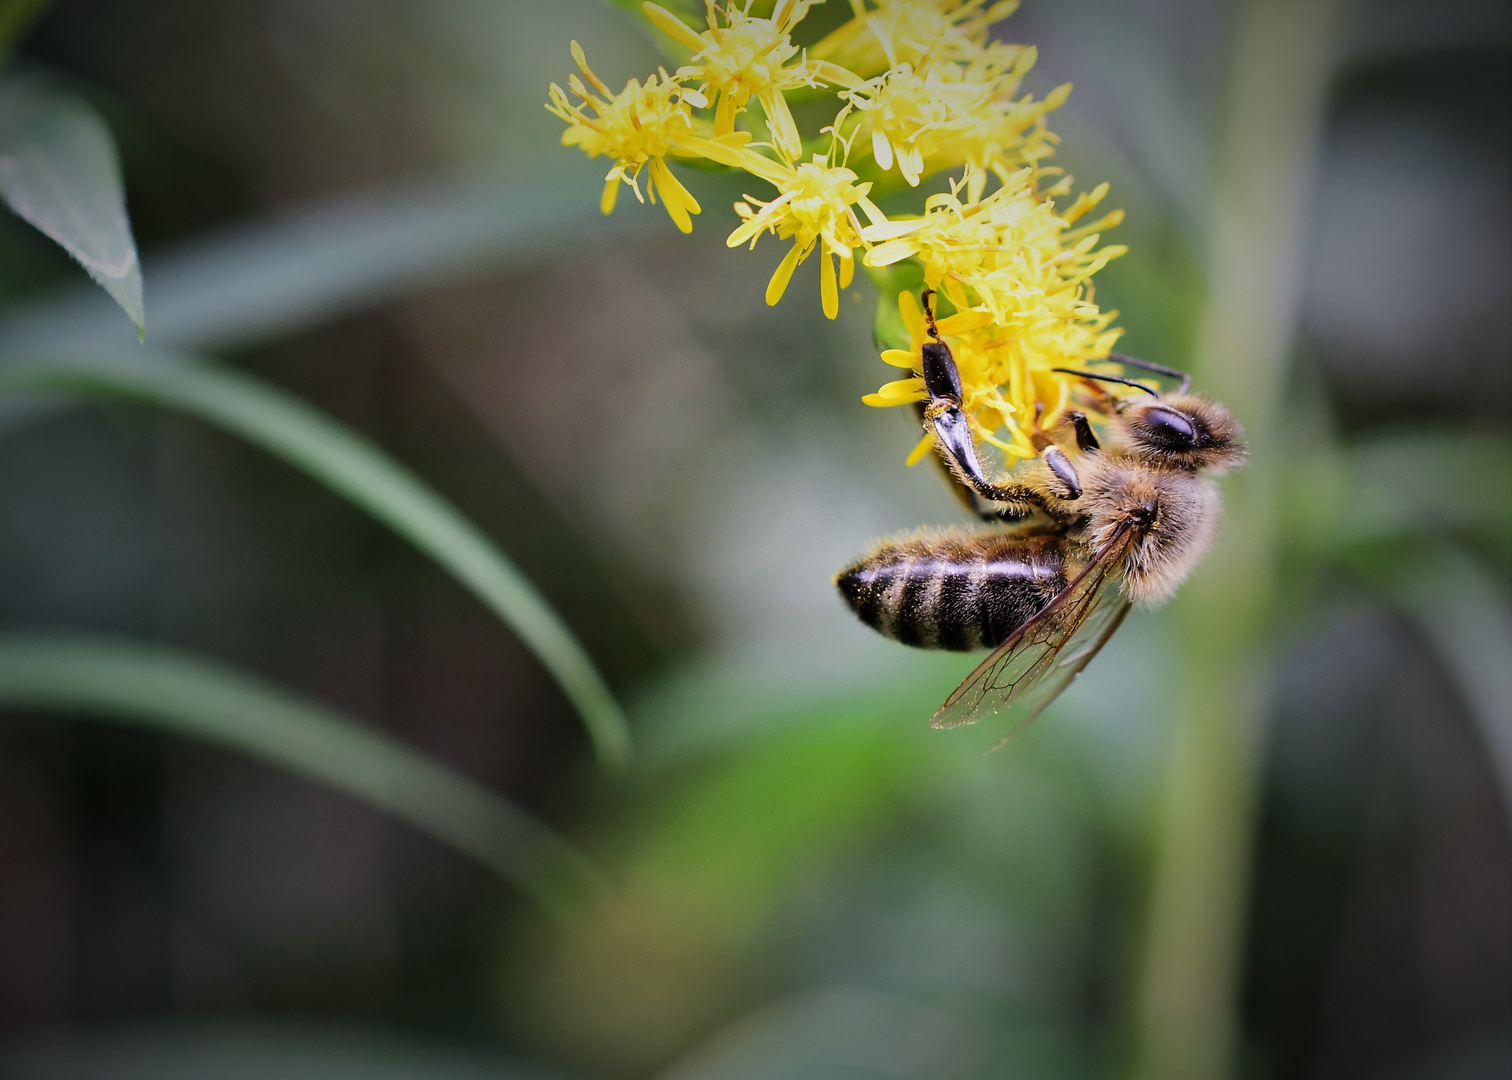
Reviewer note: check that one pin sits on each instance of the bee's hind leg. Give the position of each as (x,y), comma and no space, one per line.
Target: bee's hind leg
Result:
(990,512)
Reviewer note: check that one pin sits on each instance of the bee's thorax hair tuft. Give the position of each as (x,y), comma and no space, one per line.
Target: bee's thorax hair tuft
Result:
(1172,514)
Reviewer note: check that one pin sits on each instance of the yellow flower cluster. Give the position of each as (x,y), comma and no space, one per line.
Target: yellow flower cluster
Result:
(921,89)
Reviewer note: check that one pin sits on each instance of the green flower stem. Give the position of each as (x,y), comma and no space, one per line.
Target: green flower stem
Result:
(1187,995)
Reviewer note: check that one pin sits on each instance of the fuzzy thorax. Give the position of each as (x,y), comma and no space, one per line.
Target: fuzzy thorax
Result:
(1172,513)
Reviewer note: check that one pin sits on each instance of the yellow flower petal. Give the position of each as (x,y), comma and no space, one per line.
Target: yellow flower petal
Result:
(667,180)
(581,59)
(1084,202)
(784,274)
(892,229)
(963,322)
(913,315)
(780,120)
(724,115)
(829,295)
(891,252)
(920,451)
(728,150)
(758,222)
(673,27)
(877,401)
(911,164)
(674,196)
(902,388)
(834,74)
(610,196)
(869,208)
(1008,448)
(900,358)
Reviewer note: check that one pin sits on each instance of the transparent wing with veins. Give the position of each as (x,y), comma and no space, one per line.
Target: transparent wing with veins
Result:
(1043,657)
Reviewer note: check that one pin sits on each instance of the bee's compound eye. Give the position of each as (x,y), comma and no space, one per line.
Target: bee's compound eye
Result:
(1167,427)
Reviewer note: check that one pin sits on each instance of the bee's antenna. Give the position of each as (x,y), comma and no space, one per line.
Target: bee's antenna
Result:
(1158,369)
(1110,378)
(934,331)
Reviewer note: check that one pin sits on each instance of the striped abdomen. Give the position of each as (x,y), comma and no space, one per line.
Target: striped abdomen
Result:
(956,591)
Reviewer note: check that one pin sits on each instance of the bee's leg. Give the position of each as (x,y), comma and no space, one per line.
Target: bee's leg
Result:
(1085,439)
(1004,515)
(967,497)
(1061,468)
(952,430)
(952,433)
(974,505)
(989,512)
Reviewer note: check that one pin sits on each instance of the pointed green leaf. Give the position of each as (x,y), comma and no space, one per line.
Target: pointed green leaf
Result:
(353,467)
(58,171)
(177,692)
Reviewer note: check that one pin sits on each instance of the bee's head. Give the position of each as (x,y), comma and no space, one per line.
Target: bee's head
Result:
(1188,432)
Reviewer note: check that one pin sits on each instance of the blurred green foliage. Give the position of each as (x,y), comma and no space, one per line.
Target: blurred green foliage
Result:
(805,880)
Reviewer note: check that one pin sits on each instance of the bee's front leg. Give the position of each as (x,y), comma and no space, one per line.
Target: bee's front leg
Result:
(1085,439)
(947,420)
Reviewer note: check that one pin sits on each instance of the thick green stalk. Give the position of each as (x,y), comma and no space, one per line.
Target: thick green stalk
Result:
(1188,992)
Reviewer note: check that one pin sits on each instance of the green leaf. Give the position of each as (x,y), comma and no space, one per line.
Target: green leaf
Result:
(353,467)
(253,283)
(187,695)
(58,170)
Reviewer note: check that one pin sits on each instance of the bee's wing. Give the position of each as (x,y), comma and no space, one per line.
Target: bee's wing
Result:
(1031,668)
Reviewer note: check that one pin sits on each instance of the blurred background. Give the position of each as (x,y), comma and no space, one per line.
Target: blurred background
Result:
(363,204)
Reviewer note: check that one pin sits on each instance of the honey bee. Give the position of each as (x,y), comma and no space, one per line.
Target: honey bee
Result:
(1076,537)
